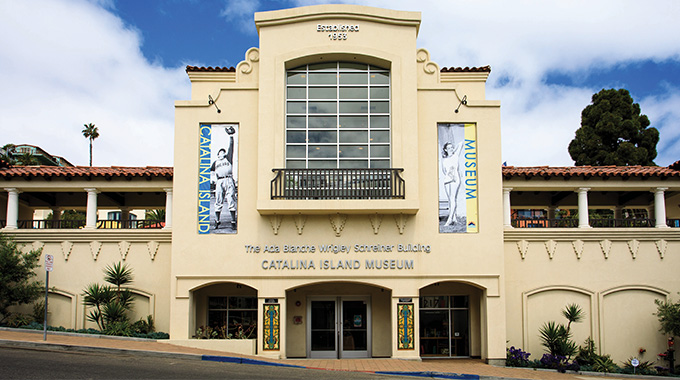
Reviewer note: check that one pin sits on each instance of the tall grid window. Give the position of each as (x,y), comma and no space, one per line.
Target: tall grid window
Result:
(338,116)
(237,314)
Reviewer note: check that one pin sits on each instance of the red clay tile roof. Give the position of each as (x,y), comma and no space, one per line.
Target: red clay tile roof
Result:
(86,171)
(211,69)
(547,172)
(484,69)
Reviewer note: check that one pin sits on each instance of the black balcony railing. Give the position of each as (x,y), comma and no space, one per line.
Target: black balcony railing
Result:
(101,224)
(544,223)
(337,184)
(597,223)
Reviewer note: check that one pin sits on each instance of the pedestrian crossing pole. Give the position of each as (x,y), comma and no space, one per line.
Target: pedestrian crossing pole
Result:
(49,263)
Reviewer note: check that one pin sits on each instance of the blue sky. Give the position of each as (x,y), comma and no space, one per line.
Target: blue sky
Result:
(120,64)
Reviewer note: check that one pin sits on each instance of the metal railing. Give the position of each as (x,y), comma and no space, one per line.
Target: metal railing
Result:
(337,184)
(597,223)
(101,224)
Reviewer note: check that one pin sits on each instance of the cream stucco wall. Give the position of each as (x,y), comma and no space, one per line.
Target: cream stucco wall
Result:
(80,258)
(614,275)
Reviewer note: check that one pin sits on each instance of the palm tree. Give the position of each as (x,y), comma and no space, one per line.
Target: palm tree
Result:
(155,214)
(119,274)
(97,296)
(90,132)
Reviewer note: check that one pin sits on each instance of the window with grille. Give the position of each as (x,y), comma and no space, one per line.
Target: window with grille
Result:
(237,314)
(338,116)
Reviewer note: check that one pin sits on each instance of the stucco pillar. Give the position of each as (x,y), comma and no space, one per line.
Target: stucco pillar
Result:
(660,207)
(12,208)
(124,213)
(618,212)
(583,221)
(493,338)
(56,213)
(91,215)
(168,208)
(507,207)
(551,212)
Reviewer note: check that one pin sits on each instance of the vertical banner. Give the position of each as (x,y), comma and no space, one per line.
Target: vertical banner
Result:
(457,147)
(405,333)
(271,327)
(218,178)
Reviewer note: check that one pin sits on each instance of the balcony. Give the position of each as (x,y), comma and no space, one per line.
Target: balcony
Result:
(344,191)
(77,224)
(595,223)
(294,184)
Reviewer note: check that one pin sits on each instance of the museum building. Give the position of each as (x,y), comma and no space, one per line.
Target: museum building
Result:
(337,194)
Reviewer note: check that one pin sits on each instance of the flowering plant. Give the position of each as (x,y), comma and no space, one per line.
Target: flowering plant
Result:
(515,357)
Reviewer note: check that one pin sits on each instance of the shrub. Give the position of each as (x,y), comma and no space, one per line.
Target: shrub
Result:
(644,368)
(144,326)
(18,320)
(17,270)
(119,328)
(586,353)
(515,357)
(604,363)
(558,362)
(39,326)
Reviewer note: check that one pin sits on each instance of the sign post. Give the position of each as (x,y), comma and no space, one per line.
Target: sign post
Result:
(635,362)
(49,263)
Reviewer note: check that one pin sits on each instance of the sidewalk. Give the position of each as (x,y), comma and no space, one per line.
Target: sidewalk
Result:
(467,368)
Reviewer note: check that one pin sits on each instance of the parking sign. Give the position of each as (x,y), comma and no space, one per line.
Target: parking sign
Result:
(49,263)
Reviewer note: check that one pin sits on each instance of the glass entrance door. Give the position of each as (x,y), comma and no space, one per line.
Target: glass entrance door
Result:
(444,326)
(323,329)
(354,329)
(339,327)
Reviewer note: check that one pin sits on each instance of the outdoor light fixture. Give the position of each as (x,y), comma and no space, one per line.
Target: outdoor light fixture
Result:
(462,101)
(212,103)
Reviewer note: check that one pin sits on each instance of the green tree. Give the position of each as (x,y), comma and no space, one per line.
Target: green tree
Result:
(27,159)
(16,276)
(614,133)
(669,316)
(90,132)
(6,153)
(69,215)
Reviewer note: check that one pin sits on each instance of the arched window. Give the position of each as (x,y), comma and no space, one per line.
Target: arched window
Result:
(338,116)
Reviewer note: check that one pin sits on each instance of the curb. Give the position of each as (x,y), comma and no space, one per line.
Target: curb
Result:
(66,333)
(213,358)
(92,349)
(433,375)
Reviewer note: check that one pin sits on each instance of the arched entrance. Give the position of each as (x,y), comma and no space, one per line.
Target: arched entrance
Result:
(450,320)
(225,310)
(338,320)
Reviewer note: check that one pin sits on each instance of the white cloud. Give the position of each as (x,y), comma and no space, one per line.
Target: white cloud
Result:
(525,40)
(664,112)
(241,13)
(74,63)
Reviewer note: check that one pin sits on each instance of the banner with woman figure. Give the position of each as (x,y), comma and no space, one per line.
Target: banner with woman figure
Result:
(457,146)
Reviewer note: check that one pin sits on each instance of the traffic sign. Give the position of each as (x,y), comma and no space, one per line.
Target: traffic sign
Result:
(49,263)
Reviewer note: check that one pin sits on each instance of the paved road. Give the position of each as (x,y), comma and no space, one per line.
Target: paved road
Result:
(18,363)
